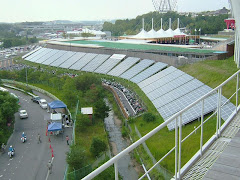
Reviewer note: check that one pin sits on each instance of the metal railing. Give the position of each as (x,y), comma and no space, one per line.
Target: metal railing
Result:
(178,134)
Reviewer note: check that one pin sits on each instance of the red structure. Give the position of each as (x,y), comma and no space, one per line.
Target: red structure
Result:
(230,23)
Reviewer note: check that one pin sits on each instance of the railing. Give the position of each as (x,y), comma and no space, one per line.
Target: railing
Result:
(178,134)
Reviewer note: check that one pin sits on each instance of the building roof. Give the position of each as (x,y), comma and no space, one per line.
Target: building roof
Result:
(87,110)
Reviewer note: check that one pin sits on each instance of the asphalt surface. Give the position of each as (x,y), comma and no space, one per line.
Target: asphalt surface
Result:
(30,159)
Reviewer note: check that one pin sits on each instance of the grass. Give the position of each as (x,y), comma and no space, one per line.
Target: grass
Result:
(84,138)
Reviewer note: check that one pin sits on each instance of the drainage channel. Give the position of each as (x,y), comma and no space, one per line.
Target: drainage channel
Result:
(125,167)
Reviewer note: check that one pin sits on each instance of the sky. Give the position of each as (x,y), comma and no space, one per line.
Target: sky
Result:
(78,10)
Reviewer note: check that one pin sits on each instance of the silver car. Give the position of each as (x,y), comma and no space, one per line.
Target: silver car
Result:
(23,114)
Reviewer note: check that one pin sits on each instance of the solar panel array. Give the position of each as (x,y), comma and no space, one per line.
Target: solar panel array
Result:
(72,60)
(123,66)
(83,61)
(55,57)
(169,89)
(63,58)
(38,54)
(97,61)
(107,65)
(148,72)
(31,52)
(137,69)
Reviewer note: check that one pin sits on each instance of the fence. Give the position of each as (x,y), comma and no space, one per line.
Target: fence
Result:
(177,118)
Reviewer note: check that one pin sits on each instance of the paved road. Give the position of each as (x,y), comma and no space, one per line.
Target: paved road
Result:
(30,160)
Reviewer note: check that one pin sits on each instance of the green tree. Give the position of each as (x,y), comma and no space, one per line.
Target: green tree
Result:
(149,117)
(101,109)
(76,158)
(97,146)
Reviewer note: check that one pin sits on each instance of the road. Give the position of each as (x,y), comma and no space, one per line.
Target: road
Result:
(30,160)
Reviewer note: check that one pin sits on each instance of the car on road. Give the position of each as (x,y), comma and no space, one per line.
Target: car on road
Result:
(43,103)
(23,114)
(36,99)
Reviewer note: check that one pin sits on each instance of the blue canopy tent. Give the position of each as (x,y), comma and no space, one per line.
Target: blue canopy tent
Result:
(57,104)
(55,127)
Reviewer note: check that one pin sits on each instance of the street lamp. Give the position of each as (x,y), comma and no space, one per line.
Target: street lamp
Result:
(199,35)
(195,35)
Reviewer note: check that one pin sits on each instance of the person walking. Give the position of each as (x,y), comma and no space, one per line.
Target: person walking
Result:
(67,139)
(39,138)
(49,165)
(3,147)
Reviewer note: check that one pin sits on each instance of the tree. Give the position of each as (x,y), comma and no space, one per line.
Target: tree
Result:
(149,117)
(101,109)
(76,158)
(97,146)
(82,122)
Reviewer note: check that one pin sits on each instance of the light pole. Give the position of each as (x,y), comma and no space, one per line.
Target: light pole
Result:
(195,35)
(26,75)
(199,35)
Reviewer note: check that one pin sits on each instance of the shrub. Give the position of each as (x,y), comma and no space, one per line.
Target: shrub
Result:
(76,157)
(97,146)
(82,122)
(149,117)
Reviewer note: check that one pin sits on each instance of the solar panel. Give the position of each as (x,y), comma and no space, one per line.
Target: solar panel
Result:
(55,57)
(63,58)
(95,63)
(148,72)
(30,53)
(123,66)
(48,55)
(43,53)
(83,61)
(163,80)
(137,69)
(110,63)
(69,62)
(157,76)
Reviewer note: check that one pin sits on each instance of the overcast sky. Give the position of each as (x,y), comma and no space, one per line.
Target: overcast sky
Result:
(76,10)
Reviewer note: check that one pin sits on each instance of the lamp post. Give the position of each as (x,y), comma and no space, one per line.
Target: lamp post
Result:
(26,75)
(199,35)
(195,35)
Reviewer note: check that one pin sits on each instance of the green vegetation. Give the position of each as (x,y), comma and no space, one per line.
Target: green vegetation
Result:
(149,117)
(8,107)
(98,146)
(208,24)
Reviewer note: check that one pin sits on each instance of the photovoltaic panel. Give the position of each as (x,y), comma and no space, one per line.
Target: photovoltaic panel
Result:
(157,76)
(48,55)
(109,64)
(95,63)
(69,62)
(148,72)
(55,57)
(162,81)
(29,58)
(137,69)
(63,58)
(83,61)
(31,52)
(123,66)
(43,53)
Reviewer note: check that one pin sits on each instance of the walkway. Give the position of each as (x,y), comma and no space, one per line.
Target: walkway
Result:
(222,159)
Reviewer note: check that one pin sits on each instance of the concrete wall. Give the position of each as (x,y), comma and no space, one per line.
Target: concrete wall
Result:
(153,55)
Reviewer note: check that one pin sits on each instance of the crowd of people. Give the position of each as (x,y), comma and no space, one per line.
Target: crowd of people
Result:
(131,96)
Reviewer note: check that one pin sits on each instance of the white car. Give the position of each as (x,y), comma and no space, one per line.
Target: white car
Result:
(23,114)
(43,103)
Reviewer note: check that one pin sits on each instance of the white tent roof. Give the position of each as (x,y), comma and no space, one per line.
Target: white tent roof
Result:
(153,34)
(162,33)
(169,33)
(143,34)
(177,32)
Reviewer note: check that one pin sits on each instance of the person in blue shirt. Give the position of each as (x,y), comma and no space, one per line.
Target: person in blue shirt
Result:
(11,148)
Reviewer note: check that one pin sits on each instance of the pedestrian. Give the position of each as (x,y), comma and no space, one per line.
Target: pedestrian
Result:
(39,138)
(67,122)
(3,147)
(49,165)
(67,139)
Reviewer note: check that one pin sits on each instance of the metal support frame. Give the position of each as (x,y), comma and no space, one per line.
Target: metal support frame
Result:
(176,147)
(116,170)
(180,146)
(202,119)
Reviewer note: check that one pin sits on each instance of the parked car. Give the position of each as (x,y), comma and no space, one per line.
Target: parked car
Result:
(36,99)
(23,114)
(43,103)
